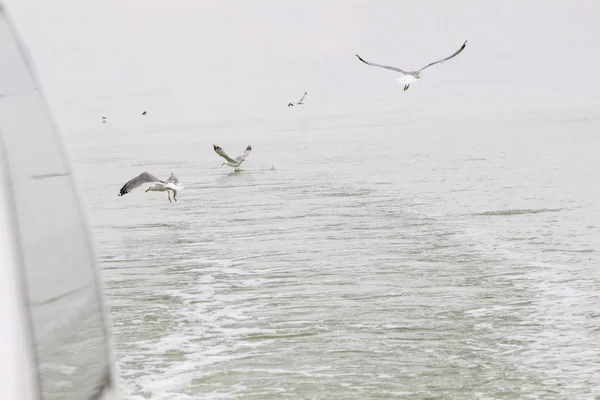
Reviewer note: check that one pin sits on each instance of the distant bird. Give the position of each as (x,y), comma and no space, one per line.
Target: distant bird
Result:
(299,102)
(272,167)
(156,185)
(409,77)
(144,113)
(103,120)
(233,162)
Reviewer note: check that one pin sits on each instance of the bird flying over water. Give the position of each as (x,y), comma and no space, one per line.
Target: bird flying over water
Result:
(233,162)
(409,77)
(300,102)
(156,185)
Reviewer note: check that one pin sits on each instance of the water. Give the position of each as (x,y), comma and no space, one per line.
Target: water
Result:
(392,255)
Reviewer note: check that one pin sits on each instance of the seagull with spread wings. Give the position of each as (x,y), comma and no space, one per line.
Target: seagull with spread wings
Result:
(233,162)
(156,185)
(409,77)
(299,102)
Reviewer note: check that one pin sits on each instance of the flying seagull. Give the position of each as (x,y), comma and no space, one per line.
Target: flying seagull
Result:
(409,77)
(233,162)
(299,102)
(156,185)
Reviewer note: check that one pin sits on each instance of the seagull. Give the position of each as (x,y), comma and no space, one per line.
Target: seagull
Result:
(144,113)
(411,76)
(156,185)
(233,162)
(299,102)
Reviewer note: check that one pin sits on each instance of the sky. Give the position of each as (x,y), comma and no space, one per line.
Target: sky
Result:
(207,59)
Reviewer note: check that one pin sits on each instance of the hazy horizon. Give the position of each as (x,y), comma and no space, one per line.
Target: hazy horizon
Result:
(220,59)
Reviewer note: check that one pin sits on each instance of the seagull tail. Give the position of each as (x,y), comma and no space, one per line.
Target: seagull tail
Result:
(405,80)
(178,188)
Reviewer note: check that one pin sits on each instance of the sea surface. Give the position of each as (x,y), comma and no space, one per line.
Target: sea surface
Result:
(393,255)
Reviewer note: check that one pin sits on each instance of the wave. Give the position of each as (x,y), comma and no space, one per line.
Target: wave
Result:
(519,211)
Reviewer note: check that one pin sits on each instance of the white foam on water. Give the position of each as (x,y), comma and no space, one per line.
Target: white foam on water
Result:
(61,368)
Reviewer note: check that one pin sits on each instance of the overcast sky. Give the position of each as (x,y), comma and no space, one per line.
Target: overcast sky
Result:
(236,58)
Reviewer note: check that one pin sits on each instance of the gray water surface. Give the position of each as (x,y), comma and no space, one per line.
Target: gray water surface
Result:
(393,255)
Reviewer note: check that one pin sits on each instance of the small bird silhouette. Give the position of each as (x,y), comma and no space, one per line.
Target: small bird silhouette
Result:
(144,113)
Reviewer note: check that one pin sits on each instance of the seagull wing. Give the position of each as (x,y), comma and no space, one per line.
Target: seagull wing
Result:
(303,96)
(139,180)
(445,59)
(172,179)
(220,152)
(382,66)
(246,154)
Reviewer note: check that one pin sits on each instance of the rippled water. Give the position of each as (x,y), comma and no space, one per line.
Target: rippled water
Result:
(392,255)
